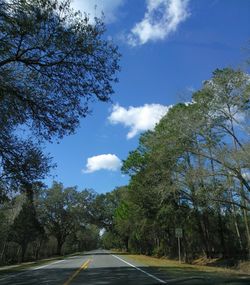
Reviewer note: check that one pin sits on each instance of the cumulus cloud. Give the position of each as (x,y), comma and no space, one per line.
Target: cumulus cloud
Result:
(138,119)
(95,8)
(102,162)
(161,19)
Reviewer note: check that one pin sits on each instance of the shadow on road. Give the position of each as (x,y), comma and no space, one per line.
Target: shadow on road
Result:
(102,267)
(111,276)
(90,276)
(104,253)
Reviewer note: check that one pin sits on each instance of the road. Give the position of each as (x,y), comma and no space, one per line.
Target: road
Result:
(93,268)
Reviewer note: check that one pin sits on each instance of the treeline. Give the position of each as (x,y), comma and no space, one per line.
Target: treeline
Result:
(191,172)
(57,222)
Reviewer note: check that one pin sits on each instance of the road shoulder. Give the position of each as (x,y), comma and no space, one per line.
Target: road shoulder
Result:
(175,273)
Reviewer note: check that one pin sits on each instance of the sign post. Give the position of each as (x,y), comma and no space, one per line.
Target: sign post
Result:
(179,235)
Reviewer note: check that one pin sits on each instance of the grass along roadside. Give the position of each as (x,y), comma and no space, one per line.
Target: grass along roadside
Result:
(4,270)
(192,274)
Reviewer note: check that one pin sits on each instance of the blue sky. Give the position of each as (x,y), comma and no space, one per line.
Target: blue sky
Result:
(168,48)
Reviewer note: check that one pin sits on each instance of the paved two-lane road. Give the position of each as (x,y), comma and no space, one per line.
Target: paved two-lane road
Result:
(94,268)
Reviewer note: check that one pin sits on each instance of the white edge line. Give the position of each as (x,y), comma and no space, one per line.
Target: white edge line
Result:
(31,269)
(150,275)
(43,266)
(12,275)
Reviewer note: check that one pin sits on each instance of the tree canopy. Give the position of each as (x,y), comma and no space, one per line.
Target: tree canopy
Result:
(53,64)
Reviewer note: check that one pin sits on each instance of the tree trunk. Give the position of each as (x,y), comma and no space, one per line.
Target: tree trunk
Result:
(203,236)
(242,184)
(126,243)
(220,224)
(3,251)
(202,232)
(24,247)
(246,222)
(29,192)
(221,233)
(59,246)
(37,250)
(236,221)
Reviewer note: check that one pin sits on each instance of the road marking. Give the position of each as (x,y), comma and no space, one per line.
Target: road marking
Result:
(13,275)
(30,269)
(75,256)
(43,266)
(83,266)
(139,269)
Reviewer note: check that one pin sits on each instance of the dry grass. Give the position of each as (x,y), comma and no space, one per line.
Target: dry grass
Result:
(244,267)
(193,274)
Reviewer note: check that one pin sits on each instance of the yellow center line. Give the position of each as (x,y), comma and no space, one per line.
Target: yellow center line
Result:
(83,266)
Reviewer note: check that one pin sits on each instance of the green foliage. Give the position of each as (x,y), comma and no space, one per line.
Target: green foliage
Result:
(26,227)
(84,238)
(57,221)
(23,165)
(64,210)
(104,207)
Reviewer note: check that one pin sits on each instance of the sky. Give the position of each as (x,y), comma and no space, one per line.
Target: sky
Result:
(168,47)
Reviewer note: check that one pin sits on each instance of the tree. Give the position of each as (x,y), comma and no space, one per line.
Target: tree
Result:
(53,62)
(63,211)
(103,208)
(26,228)
(22,165)
(84,238)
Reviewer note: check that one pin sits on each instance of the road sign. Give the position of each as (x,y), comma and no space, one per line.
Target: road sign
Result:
(178,233)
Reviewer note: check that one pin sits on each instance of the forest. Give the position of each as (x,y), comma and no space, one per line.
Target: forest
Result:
(56,223)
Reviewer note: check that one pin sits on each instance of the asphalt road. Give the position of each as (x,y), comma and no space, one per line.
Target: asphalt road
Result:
(93,268)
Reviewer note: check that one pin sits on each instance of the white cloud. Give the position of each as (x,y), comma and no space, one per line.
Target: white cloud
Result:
(103,161)
(161,18)
(138,119)
(95,8)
